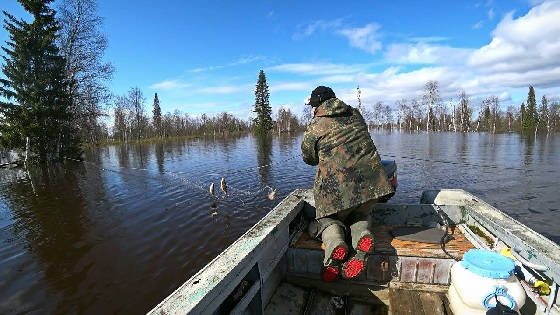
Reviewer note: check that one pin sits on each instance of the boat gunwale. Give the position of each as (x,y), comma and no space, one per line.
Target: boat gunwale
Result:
(234,262)
(524,240)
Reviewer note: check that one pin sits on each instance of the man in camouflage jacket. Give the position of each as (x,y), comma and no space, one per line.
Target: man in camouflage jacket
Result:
(350,176)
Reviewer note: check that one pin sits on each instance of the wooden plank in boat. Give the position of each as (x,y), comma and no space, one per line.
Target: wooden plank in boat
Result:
(405,302)
(385,243)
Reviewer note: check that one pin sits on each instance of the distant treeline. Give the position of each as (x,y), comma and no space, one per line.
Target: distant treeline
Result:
(428,113)
(132,122)
(431,113)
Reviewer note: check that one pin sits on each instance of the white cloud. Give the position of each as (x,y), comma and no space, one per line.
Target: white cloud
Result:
(536,2)
(305,31)
(504,96)
(338,78)
(199,106)
(223,89)
(318,68)
(392,84)
(478,25)
(170,85)
(365,38)
(523,50)
(491,14)
(422,53)
(240,61)
(290,86)
(526,44)
(246,60)
(428,39)
(209,68)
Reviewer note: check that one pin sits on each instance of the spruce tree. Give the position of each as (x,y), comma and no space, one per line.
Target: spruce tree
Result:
(522,115)
(544,121)
(263,121)
(37,102)
(530,120)
(157,116)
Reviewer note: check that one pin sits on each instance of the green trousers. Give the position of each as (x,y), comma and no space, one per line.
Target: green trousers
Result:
(332,229)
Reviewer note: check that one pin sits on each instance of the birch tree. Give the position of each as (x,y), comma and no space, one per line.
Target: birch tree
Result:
(431,99)
(82,45)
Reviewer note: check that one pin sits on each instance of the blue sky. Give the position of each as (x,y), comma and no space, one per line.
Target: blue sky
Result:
(204,56)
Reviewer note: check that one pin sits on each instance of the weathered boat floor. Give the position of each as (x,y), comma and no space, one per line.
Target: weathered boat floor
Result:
(295,299)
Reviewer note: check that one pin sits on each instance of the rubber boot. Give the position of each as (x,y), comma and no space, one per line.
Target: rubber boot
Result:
(330,273)
(354,266)
(336,249)
(362,238)
(332,233)
(362,243)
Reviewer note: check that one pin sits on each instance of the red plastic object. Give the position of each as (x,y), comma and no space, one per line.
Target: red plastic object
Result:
(365,244)
(393,181)
(353,268)
(329,274)
(339,253)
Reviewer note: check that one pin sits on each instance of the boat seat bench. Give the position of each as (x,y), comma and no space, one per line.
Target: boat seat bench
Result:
(392,259)
(385,243)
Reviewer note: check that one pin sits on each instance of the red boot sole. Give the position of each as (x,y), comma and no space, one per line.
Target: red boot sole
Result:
(365,244)
(339,253)
(329,274)
(353,268)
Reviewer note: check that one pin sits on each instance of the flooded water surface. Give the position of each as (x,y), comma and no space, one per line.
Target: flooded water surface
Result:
(121,231)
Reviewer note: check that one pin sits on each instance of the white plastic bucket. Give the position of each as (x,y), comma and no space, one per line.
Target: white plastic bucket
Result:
(479,278)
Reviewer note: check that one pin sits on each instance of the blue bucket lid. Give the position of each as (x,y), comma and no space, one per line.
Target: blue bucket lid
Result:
(488,264)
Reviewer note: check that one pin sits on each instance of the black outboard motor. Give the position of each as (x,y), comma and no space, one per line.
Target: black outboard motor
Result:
(390,167)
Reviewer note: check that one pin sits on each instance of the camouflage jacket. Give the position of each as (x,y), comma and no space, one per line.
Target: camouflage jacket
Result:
(350,171)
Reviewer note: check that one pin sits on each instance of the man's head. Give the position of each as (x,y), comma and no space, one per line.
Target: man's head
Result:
(320,94)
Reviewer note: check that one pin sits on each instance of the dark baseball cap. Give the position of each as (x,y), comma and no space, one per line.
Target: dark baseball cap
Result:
(320,94)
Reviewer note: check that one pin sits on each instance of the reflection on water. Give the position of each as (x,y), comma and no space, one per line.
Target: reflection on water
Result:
(160,156)
(121,233)
(264,150)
